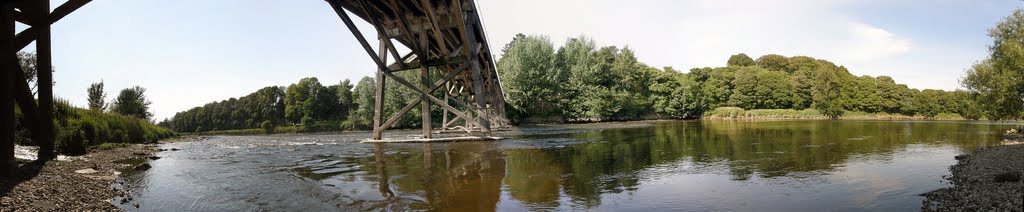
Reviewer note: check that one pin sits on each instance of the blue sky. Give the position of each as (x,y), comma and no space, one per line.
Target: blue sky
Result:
(191,52)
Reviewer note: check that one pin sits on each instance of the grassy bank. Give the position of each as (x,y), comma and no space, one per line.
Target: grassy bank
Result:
(78,130)
(740,113)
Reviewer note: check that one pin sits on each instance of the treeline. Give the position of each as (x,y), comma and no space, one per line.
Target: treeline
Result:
(305,106)
(583,82)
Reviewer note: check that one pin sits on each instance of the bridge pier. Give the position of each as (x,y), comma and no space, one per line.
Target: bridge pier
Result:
(7,126)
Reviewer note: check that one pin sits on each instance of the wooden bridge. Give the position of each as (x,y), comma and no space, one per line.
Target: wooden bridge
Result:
(445,38)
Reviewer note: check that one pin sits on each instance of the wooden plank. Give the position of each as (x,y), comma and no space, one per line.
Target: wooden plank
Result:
(432,19)
(424,84)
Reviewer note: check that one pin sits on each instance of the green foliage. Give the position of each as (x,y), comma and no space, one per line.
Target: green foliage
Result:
(774,62)
(132,102)
(827,93)
(97,97)
(78,129)
(740,59)
(758,88)
(108,146)
(267,127)
(583,82)
(998,81)
(527,71)
(740,113)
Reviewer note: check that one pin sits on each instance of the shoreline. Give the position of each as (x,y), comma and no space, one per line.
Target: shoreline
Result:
(89,182)
(989,179)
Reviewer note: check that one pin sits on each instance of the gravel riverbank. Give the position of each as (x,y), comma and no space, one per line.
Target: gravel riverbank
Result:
(82,183)
(987,180)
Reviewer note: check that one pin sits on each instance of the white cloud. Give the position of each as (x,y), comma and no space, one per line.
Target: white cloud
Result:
(872,43)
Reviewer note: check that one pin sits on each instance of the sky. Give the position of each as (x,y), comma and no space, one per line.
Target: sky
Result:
(187,53)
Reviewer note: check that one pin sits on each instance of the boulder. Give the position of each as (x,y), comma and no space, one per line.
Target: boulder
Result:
(142,167)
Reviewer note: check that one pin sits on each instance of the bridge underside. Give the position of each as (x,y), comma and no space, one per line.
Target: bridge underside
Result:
(445,38)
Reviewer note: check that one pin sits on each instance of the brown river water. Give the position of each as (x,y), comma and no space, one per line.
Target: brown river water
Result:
(779,165)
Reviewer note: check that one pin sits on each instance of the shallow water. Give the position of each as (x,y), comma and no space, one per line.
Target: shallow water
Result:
(636,166)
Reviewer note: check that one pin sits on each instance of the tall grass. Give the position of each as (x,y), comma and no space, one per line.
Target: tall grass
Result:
(78,129)
(740,113)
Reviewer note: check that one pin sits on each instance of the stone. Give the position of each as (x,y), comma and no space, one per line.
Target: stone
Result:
(86,171)
(154,157)
(142,167)
(1007,177)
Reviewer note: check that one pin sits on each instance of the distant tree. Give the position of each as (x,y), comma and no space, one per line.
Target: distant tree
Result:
(757,88)
(361,114)
(300,99)
(132,102)
(97,97)
(740,59)
(927,104)
(827,93)
(345,100)
(774,62)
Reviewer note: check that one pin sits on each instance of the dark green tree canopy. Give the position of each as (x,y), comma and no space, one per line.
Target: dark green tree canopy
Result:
(132,102)
(740,59)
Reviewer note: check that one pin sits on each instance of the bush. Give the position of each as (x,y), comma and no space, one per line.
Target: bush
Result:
(268,127)
(70,139)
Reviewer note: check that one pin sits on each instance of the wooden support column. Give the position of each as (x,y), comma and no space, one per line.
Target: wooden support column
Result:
(425,85)
(481,98)
(7,163)
(378,101)
(44,65)
(444,113)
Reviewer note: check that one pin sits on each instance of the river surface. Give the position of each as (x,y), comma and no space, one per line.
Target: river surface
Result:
(634,166)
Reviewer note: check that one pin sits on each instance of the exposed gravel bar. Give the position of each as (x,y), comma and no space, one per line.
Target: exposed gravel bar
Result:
(84,183)
(987,180)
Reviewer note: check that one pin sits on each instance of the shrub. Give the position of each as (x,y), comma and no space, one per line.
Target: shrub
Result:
(268,127)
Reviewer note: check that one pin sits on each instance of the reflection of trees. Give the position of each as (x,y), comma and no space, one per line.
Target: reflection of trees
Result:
(615,162)
(459,176)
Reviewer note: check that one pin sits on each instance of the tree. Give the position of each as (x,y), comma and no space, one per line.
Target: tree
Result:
(927,104)
(345,98)
(774,62)
(300,99)
(757,88)
(97,97)
(827,93)
(740,59)
(527,71)
(361,114)
(132,102)
(997,80)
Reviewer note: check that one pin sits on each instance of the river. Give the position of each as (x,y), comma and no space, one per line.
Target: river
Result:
(779,165)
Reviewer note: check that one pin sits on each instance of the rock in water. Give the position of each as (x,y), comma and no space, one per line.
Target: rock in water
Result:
(142,167)
(154,157)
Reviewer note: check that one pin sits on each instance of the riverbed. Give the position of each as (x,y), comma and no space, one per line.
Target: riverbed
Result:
(753,165)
